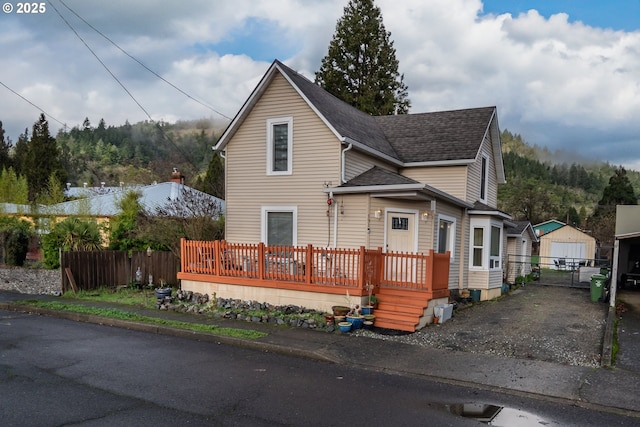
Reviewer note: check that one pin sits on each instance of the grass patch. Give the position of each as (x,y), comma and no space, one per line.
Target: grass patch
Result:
(135,317)
(128,296)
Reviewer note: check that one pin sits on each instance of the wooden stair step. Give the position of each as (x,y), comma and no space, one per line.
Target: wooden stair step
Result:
(401,326)
(401,308)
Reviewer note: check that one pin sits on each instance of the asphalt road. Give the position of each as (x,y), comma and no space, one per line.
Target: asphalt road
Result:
(57,372)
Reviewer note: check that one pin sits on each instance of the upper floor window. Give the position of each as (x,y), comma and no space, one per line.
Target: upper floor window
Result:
(484,174)
(279,146)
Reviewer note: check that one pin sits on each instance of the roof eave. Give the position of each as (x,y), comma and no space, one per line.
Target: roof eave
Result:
(380,190)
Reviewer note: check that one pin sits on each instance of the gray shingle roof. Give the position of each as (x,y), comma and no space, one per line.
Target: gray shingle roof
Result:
(519,227)
(438,136)
(378,176)
(410,138)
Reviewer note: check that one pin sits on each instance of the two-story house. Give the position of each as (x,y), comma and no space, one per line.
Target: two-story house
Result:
(303,167)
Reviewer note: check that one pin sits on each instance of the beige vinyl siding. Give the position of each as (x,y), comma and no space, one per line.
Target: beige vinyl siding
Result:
(450,179)
(353,223)
(474,177)
(358,162)
(316,160)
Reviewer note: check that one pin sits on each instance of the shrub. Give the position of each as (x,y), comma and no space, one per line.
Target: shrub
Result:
(14,238)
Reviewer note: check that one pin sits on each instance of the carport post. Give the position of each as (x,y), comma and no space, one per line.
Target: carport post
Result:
(613,286)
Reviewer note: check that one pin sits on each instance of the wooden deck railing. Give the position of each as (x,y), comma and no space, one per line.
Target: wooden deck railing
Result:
(311,268)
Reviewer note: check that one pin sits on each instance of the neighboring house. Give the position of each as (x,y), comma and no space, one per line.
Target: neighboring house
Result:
(303,167)
(626,249)
(563,246)
(520,239)
(102,203)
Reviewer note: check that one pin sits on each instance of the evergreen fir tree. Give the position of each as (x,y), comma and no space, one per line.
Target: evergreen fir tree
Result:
(361,66)
(42,160)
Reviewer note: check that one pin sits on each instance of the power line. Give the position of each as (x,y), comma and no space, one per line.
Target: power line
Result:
(101,62)
(38,108)
(141,63)
(123,86)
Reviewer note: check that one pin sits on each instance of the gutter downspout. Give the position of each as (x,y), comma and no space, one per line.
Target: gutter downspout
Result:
(343,179)
(344,163)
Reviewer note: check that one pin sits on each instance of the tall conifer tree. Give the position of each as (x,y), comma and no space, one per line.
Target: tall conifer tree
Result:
(361,66)
(42,159)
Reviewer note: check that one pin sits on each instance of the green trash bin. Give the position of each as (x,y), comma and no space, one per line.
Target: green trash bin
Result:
(597,286)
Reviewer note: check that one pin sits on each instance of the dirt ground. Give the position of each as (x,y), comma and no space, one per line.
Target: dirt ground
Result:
(549,323)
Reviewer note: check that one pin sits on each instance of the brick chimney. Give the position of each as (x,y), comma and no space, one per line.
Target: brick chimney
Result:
(176,176)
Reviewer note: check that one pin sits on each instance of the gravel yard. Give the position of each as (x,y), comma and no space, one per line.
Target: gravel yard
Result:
(548,323)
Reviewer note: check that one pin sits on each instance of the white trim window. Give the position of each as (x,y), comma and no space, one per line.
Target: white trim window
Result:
(484,178)
(486,245)
(279,225)
(280,146)
(446,235)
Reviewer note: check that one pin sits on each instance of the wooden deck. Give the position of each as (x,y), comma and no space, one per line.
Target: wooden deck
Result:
(400,280)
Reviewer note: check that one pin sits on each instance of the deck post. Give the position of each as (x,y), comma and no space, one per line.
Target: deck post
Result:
(308,269)
(261,269)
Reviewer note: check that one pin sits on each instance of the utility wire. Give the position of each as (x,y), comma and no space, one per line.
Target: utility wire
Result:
(100,61)
(38,108)
(123,86)
(142,64)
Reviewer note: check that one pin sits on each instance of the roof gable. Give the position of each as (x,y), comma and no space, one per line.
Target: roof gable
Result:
(548,227)
(452,136)
(519,228)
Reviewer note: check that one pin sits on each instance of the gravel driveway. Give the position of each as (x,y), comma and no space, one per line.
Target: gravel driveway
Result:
(548,323)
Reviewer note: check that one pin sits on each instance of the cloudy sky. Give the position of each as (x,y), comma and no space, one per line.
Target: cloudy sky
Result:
(565,74)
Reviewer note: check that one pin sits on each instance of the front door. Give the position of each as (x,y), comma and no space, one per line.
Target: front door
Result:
(400,238)
(400,232)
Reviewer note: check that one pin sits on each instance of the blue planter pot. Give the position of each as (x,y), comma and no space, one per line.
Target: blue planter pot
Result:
(356,322)
(163,292)
(367,309)
(344,326)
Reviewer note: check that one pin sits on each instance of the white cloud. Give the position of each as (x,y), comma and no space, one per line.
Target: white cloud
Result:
(558,83)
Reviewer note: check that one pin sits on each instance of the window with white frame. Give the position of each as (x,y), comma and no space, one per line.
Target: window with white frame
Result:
(484,178)
(495,247)
(279,225)
(280,146)
(486,244)
(446,234)
(477,247)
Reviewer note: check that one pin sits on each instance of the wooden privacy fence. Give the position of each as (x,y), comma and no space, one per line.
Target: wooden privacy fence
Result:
(86,270)
(310,268)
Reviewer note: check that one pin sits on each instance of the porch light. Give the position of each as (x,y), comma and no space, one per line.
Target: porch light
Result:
(378,214)
(424,216)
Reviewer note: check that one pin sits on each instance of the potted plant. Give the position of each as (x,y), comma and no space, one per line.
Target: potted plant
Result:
(355,317)
(163,290)
(372,302)
(340,310)
(344,326)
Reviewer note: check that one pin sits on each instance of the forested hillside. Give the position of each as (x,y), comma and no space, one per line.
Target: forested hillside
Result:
(140,153)
(538,189)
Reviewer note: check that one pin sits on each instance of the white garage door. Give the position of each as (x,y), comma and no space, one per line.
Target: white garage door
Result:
(568,250)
